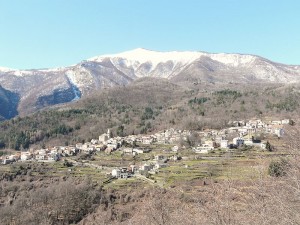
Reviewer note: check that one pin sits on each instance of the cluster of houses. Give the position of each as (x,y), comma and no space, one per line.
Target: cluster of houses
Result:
(105,142)
(252,126)
(244,131)
(45,155)
(169,136)
(210,139)
(150,167)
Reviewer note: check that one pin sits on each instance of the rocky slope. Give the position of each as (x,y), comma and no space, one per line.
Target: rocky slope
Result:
(44,87)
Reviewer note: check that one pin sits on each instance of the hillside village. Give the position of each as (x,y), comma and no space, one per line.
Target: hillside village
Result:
(240,133)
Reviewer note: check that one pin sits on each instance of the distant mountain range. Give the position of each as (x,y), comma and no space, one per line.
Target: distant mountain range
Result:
(25,91)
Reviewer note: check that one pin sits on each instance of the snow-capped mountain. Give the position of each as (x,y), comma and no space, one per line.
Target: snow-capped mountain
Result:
(42,87)
(141,62)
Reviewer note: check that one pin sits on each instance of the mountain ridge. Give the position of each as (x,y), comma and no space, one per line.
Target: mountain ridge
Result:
(144,52)
(39,88)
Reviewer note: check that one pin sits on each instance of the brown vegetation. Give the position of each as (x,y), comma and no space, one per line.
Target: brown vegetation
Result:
(263,199)
(30,195)
(148,105)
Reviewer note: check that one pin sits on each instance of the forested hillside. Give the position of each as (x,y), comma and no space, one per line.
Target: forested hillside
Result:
(149,105)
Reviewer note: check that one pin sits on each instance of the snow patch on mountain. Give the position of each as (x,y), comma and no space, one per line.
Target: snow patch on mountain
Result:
(72,79)
(233,59)
(58,69)
(133,59)
(18,73)
(22,73)
(5,69)
(141,56)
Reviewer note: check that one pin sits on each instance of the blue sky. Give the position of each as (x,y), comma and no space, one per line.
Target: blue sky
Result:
(43,33)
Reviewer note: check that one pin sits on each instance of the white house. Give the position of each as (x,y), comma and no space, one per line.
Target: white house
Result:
(205,148)
(147,140)
(159,157)
(42,151)
(224,144)
(100,147)
(263,145)
(54,150)
(285,121)
(67,151)
(160,165)
(120,173)
(104,137)
(26,156)
(238,141)
(146,167)
(94,141)
(276,122)
(278,132)
(112,146)
(79,146)
(209,143)
(85,147)
(141,151)
(40,157)
(6,161)
(116,172)
(133,168)
(128,150)
(91,148)
(13,157)
(175,148)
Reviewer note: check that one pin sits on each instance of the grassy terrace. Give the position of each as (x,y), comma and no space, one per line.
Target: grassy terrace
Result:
(52,170)
(116,159)
(238,164)
(127,184)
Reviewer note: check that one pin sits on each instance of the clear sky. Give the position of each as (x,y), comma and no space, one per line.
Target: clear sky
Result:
(53,33)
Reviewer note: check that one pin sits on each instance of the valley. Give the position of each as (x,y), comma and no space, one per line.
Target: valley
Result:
(144,137)
(182,176)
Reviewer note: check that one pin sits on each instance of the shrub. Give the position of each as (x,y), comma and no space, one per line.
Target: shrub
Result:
(278,168)
(68,164)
